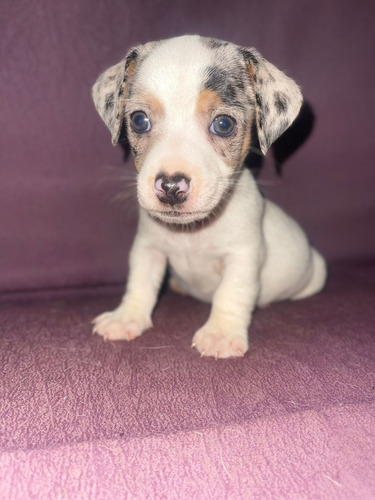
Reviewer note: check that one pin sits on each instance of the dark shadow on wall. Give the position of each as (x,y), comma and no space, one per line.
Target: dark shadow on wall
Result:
(286,145)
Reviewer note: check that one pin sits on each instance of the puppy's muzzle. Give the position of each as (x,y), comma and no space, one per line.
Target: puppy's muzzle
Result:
(172,190)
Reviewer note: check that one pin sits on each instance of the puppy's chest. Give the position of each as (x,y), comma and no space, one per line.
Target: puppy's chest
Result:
(196,265)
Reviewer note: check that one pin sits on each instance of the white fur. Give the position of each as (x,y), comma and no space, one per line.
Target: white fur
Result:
(239,250)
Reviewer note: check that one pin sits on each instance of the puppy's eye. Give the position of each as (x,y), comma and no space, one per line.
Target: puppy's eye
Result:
(140,122)
(223,125)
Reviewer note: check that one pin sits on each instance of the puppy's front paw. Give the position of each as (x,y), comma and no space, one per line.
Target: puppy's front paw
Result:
(219,344)
(117,325)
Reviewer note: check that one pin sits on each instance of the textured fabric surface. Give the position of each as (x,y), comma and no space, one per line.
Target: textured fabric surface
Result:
(84,419)
(58,170)
(306,455)
(81,418)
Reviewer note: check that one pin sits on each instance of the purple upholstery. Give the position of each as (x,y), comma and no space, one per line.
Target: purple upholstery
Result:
(80,418)
(150,419)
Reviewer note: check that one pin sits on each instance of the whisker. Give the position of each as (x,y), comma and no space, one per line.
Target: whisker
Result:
(123,196)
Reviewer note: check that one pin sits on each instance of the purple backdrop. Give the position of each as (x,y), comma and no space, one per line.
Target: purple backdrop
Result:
(59,171)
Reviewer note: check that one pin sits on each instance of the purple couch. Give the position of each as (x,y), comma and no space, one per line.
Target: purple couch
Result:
(84,419)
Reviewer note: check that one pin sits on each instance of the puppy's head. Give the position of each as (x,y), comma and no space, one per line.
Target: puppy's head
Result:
(187,105)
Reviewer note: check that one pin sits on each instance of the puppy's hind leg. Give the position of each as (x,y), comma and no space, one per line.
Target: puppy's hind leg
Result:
(317,279)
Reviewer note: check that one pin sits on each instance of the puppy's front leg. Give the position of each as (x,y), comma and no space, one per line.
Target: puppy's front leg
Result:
(133,315)
(225,333)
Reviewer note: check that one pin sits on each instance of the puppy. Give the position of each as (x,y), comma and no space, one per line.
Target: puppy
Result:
(187,105)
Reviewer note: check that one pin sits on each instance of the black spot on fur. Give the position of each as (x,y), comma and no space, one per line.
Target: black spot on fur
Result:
(216,78)
(281,103)
(130,58)
(259,101)
(249,56)
(121,90)
(109,101)
(214,43)
(134,151)
(238,83)
(229,93)
(266,110)
(219,80)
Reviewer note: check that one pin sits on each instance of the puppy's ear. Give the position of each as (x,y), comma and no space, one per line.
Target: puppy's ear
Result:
(278,98)
(111,88)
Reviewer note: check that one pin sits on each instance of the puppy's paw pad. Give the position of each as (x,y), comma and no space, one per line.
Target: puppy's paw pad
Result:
(111,326)
(219,344)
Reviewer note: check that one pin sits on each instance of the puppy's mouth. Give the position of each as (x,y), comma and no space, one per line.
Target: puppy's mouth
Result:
(177,216)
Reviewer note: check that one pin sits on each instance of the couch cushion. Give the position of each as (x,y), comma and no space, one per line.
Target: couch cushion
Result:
(302,398)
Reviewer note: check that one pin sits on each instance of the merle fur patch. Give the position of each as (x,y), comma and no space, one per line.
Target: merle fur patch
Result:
(109,101)
(214,43)
(249,56)
(132,56)
(228,86)
(281,103)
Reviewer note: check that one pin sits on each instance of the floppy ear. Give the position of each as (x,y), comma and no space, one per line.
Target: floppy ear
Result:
(278,98)
(109,91)
(111,88)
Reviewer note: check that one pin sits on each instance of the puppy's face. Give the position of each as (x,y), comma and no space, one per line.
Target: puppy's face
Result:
(188,116)
(188,105)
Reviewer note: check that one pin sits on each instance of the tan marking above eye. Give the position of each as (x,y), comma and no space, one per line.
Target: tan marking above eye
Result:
(208,101)
(151,103)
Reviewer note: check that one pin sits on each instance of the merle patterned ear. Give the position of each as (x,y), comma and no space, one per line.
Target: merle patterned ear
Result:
(109,92)
(278,98)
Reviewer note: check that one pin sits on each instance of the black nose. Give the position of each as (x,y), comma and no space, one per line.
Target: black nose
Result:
(172,189)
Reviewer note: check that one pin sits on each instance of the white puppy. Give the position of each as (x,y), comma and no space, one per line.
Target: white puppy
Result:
(187,105)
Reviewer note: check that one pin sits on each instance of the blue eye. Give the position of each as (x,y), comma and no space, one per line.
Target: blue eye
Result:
(140,122)
(223,125)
